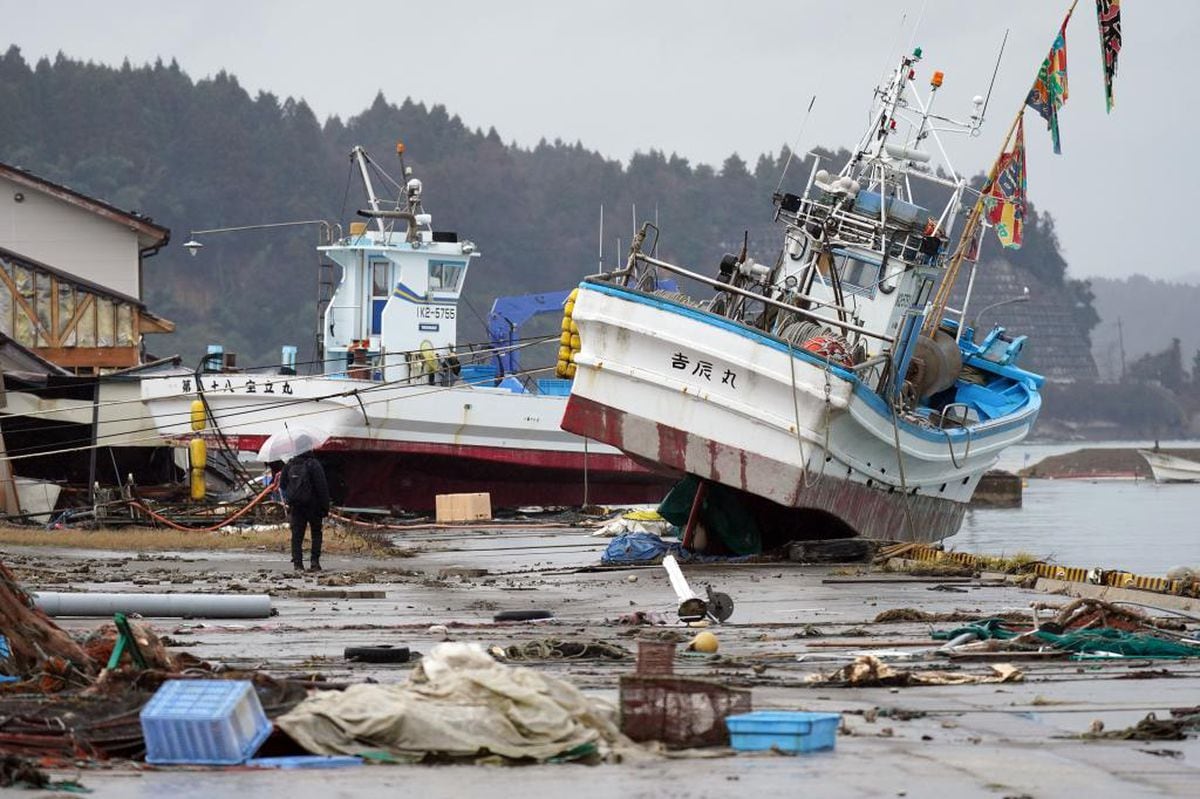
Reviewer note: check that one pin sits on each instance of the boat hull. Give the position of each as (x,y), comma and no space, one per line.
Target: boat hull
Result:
(767,420)
(1170,468)
(401,445)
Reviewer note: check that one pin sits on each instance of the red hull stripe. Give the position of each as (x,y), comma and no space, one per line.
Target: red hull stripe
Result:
(872,513)
(408,475)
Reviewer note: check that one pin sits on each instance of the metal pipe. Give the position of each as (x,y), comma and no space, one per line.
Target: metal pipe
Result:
(693,519)
(767,300)
(994,305)
(956,642)
(208,606)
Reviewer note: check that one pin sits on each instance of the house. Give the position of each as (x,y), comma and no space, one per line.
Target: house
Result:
(71,274)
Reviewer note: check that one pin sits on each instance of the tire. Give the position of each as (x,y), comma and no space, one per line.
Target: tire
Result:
(377,654)
(522,615)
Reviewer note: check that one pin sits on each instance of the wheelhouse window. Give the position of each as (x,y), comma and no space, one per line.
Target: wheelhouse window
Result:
(381,283)
(858,276)
(445,275)
(381,289)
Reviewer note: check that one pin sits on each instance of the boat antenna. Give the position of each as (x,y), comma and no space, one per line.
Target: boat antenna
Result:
(633,215)
(400,155)
(920,18)
(792,149)
(995,70)
(654,251)
(601,237)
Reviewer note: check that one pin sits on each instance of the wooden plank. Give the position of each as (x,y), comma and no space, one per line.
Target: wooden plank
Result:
(896,580)
(53,336)
(852,643)
(96,357)
(1114,594)
(145,322)
(22,304)
(81,308)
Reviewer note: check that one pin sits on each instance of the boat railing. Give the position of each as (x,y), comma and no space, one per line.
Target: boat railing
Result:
(850,227)
(846,327)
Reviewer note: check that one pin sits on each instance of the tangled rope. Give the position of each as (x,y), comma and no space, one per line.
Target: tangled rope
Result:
(228,520)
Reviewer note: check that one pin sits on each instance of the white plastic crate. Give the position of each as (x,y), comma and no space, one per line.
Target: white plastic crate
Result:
(207,722)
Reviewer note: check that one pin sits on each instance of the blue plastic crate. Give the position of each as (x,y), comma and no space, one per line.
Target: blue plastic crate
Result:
(785,730)
(554,387)
(208,722)
(305,761)
(477,373)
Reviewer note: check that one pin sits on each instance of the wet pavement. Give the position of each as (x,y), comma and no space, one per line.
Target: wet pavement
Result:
(994,740)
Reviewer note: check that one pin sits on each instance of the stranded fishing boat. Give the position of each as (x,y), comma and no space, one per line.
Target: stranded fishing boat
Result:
(405,419)
(1169,468)
(832,383)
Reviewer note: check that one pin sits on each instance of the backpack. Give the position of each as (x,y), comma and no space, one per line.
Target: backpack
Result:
(299,483)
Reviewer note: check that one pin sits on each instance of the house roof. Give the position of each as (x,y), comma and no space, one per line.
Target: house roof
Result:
(15,357)
(149,234)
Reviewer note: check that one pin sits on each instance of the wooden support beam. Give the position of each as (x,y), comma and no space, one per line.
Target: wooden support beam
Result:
(94,357)
(22,304)
(81,308)
(146,322)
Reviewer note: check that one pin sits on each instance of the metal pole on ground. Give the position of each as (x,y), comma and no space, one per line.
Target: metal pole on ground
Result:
(689,532)
(585,474)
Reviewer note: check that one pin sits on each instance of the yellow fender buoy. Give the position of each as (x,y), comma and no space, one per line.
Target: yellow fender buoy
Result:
(199,417)
(198,453)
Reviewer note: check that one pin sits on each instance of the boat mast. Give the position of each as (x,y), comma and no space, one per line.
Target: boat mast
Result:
(970,229)
(359,156)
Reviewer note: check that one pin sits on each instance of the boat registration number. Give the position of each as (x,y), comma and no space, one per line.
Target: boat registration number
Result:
(435,311)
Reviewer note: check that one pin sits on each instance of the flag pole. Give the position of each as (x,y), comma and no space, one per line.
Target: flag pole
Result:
(938,310)
(934,319)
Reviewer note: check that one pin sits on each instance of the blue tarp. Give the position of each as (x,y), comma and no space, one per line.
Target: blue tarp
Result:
(642,548)
(634,548)
(5,654)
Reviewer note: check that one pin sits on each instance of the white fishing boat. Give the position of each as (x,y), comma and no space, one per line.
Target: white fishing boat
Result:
(834,387)
(1171,468)
(408,414)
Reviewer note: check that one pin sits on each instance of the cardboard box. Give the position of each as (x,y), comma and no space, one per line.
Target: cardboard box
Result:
(463,507)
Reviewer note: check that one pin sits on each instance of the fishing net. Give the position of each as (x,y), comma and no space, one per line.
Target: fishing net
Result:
(1102,641)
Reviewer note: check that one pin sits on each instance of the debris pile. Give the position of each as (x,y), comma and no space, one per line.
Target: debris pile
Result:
(1083,628)
(459,704)
(868,671)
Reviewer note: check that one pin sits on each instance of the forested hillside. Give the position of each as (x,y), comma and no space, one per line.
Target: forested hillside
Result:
(1151,313)
(201,154)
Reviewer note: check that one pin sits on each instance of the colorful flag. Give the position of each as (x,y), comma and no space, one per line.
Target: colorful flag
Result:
(1049,90)
(1004,197)
(1108,14)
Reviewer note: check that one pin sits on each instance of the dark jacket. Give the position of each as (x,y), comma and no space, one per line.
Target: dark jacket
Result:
(316,476)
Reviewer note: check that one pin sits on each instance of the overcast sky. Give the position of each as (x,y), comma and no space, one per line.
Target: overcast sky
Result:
(705,79)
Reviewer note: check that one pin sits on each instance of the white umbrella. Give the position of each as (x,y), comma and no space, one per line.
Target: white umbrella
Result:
(294,440)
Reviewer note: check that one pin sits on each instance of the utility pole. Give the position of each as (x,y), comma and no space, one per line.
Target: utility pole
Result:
(1121,341)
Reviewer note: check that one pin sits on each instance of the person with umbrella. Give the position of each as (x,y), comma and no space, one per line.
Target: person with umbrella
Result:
(306,492)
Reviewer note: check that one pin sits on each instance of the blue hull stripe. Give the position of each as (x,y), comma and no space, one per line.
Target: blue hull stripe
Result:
(873,400)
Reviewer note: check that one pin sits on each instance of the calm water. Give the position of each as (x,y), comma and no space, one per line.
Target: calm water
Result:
(1112,524)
